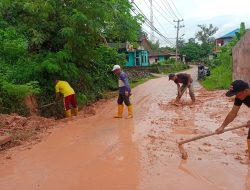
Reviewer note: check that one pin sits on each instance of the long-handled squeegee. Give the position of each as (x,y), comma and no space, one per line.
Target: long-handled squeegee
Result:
(184,154)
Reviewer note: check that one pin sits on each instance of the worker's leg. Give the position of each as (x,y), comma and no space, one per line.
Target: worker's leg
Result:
(74,104)
(183,89)
(120,106)
(191,92)
(129,105)
(66,106)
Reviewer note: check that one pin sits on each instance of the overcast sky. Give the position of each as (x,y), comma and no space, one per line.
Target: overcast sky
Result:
(225,14)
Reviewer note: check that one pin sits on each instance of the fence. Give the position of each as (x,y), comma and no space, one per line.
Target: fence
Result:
(241,59)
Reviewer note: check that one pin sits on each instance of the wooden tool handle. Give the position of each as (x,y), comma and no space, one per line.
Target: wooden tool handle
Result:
(210,134)
(184,90)
(47,105)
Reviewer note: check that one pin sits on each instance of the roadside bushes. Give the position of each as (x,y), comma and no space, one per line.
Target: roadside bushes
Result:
(169,66)
(221,66)
(66,40)
(89,82)
(12,96)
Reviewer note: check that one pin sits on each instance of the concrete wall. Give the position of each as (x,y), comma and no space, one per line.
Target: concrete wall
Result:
(241,59)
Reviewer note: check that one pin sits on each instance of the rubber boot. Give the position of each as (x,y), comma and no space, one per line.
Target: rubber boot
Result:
(76,111)
(120,111)
(130,112)
(68,113)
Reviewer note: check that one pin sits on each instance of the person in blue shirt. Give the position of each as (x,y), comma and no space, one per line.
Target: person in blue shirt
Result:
(124,92)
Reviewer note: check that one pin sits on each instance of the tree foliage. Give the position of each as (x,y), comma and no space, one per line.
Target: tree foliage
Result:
(154,45)
(41,40)
(195,51)
(205,35)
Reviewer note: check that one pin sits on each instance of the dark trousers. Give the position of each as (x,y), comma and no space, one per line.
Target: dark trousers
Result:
(122,98)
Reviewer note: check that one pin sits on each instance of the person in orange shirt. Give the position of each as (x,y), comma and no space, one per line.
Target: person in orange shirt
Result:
(68,92)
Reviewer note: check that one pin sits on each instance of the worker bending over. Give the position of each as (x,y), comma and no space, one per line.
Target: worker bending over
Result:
(241,91)
(186,81)
(124,92)
(68,92)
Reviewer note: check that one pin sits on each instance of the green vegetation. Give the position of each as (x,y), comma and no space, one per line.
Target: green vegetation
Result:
(221,67)
(169,66)
(41,41)
(136,83)
(195,51)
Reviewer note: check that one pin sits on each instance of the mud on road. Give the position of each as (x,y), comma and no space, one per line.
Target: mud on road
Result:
(102,153)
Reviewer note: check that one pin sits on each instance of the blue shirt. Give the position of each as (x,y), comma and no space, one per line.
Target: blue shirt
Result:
(123,83)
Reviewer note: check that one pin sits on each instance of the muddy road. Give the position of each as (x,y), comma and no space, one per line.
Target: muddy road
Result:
(102,153)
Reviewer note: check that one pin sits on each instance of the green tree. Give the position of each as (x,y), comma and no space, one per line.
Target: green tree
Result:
(41,40)
(155,46)
(205,35)
(192,50)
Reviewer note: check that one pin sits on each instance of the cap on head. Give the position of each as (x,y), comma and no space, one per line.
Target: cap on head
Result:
(237,86)
(116,67)
(170,76)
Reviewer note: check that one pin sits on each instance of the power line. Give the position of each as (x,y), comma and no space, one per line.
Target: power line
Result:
(157,20)
(176,9)
(168,7)
(164,11)
(153,28)
(145,30)
(149,24)
(162,14)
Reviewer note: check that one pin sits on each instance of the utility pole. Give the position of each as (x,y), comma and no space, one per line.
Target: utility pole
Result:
(152,36)
(177,36)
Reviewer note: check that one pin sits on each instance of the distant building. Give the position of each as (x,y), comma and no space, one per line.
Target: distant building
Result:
(155,56)
(135,56)
(225,39)
(160,56)
(142,55)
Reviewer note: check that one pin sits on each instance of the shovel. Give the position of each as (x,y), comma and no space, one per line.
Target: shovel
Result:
(47,105)
(184,154)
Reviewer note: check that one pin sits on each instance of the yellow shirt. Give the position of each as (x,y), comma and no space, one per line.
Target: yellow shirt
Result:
(64,88)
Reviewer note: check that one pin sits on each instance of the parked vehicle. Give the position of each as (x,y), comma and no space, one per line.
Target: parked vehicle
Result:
(203,71)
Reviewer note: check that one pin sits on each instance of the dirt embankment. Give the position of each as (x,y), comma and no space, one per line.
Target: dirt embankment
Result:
(18,130)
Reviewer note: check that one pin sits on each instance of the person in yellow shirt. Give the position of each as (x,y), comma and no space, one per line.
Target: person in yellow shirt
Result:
(68,92)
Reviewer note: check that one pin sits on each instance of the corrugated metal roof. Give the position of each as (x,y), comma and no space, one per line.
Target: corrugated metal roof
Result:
(230,34)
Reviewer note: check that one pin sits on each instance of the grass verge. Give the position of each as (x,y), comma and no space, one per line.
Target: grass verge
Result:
(221,78)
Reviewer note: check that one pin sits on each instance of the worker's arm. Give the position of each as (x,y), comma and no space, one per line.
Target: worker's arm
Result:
(230,117)
(179,92)
(124,79)
(57,92)
(57,96)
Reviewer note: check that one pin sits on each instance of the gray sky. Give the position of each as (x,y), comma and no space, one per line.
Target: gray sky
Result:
(225,14)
